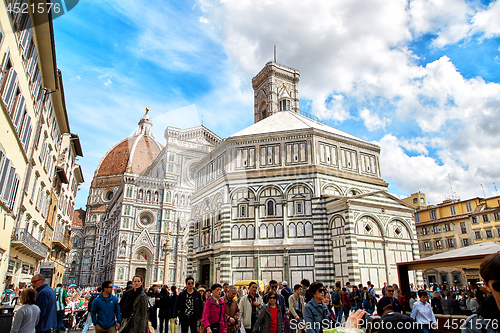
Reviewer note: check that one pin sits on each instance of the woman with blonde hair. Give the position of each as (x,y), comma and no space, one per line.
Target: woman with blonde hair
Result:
(28,315)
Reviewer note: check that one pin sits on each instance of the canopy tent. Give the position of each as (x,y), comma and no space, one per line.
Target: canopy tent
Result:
(464,257)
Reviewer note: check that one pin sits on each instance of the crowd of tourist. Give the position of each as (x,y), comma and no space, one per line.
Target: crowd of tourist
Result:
(307,307)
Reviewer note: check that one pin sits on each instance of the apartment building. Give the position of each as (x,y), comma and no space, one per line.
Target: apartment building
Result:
(33,127)
(454,224)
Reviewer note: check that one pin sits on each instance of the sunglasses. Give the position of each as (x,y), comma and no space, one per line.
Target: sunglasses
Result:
(390,291)
(272,297)
(190,283)
(33,282)
(322,290)
(496,286)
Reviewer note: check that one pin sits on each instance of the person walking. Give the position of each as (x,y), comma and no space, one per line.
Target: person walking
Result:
(134,308)
(173,300)
(355,299)
(214,313)
(337,300)
(346,309)
(388,302)
(316,312)
(61,301)
(46,301)
(250,305)
(8,295)
(165,309)
(106,310)
(153,297)
(188,308)
(296,304)
(89,308)
(232,309)
(422,312)
(270,319)
(28,315)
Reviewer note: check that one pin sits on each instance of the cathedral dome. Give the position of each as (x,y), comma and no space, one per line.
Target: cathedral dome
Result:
(133,154)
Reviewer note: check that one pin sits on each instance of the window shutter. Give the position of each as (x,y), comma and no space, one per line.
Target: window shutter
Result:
(33,62)
(25,138)
(8,185)
(9,88)
(4,64)
(19,111)
(12,199)
(3,173)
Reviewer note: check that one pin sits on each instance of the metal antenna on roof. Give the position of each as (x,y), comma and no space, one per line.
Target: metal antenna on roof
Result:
(483,190)
(495,185)
(274,53)
(201,120)
(451,188)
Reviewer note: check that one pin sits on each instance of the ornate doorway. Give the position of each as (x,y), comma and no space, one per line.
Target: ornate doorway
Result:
(142,273)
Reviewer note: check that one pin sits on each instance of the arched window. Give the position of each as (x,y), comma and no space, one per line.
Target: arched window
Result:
(140,195)
(243,232)
(309,229)
(292,230)
(279,230)
(270,231)
(235,232)
(167,199)
(300,229)
(271,208)
(251,232)
(285,105)
(148,196)
(263,231)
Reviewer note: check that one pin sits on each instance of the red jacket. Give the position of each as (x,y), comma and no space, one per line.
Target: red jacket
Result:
(214,313)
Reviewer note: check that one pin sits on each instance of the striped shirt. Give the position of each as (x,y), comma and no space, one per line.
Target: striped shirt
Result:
(61,296)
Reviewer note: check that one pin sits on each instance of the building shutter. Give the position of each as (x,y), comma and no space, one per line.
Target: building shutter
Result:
(25,137)
(10,88)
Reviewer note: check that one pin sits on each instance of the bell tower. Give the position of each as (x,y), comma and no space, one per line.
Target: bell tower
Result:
(275,89)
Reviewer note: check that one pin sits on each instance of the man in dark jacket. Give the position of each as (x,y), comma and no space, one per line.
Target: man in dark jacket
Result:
(388,302)
(189,307)
(106,310)
(46,301)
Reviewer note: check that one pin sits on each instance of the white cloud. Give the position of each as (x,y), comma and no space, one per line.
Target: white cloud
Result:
(372,121)
(448,19)
(488,20)
(105,79)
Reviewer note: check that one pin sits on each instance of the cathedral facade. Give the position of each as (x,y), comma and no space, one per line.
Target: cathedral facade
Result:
(138,208)
(286,198)
(290,198)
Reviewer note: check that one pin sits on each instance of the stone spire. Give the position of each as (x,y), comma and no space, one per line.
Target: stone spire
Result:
(145,125)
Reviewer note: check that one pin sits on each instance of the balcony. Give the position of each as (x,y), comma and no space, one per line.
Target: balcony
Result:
(62,242)
(25,243)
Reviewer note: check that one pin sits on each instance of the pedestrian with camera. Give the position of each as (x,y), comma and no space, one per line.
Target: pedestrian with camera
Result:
(250,306)
(487,317)
(214,313)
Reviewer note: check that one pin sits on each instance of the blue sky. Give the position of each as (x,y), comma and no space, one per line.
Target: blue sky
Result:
(419,78)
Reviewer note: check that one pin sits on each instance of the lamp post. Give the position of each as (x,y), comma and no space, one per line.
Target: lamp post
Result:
(166,250)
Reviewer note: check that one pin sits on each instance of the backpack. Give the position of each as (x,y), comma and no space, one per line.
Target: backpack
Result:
(6,298)
(335,297)
(462,304)
(94,296)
